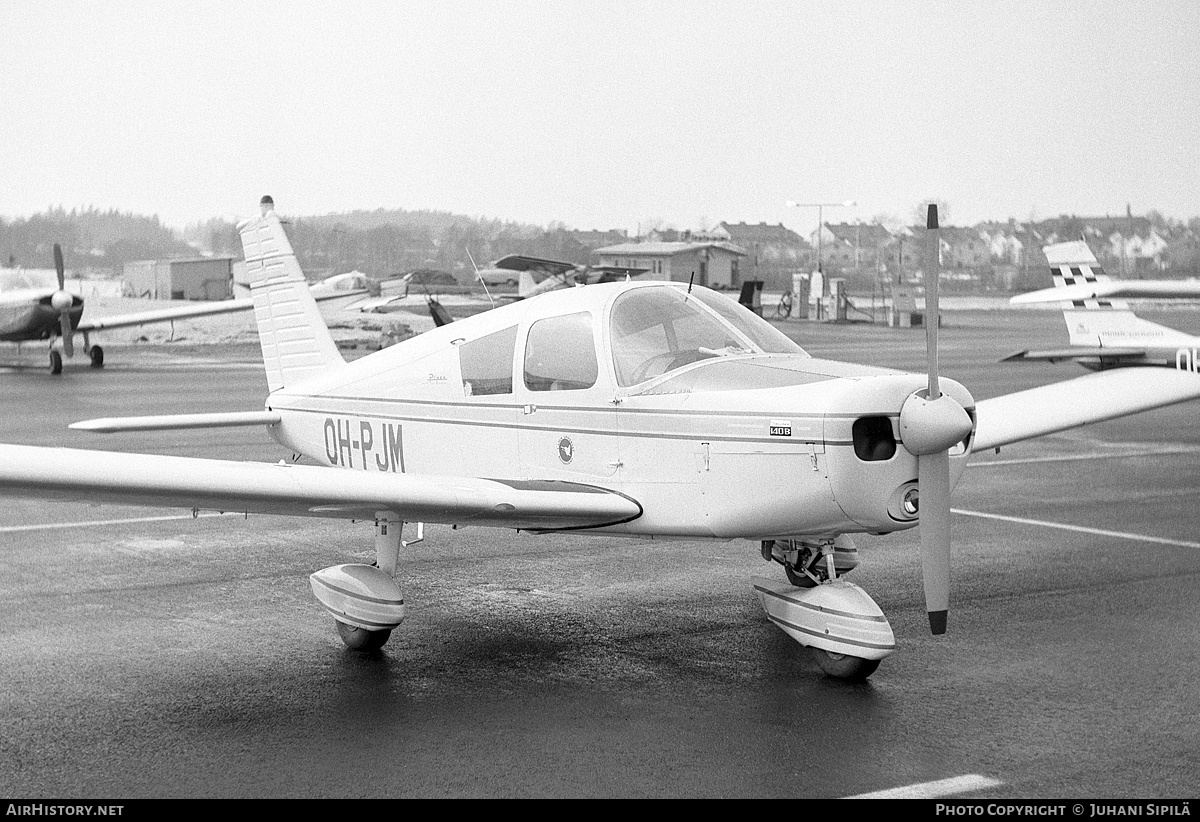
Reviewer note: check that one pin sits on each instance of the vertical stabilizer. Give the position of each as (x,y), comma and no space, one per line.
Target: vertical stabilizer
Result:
(1099,322)
(296,343)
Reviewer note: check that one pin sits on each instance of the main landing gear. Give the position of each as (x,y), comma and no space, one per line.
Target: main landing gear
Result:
(365,600)
(841,623)
(95,354)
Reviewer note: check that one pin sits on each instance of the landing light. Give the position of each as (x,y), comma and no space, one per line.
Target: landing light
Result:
(912,501)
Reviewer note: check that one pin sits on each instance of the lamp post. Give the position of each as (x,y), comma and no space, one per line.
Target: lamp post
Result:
(820,207)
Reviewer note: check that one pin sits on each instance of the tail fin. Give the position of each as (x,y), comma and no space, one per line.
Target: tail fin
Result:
(296,343)
(1097,321)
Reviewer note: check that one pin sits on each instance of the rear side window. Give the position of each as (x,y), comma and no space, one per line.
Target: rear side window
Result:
(560,354)
(487,363)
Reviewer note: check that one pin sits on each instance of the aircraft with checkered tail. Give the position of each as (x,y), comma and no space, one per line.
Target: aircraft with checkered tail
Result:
(1103,332)
(641,409)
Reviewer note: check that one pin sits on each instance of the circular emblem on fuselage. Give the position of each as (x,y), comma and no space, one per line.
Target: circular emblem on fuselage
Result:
(566,450)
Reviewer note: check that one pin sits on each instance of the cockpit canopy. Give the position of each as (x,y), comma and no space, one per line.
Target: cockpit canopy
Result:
(655,329)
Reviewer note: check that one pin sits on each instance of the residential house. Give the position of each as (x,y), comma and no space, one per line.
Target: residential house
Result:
(774,253)
(1126,246)
(856,250)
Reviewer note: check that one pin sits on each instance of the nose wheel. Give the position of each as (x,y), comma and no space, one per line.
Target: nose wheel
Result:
(360,639)
(844,666)
(55,362)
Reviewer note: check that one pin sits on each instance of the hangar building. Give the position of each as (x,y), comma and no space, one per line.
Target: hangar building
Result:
(198,278)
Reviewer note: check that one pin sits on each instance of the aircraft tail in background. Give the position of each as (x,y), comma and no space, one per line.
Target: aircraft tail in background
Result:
(1103,332)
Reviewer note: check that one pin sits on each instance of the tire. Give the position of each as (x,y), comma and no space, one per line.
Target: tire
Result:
(55,362)
(844,666)
(360,639)
(97,355)
(798,579)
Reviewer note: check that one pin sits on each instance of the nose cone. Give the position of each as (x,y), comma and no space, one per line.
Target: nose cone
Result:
(928,426)
(61,300)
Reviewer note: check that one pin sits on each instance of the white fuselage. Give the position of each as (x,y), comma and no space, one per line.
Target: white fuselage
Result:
(705,453)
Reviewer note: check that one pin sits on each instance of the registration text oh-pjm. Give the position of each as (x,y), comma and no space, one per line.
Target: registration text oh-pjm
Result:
(355,443)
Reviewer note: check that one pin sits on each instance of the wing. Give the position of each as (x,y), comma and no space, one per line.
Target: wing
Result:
(1092,398)
(519,262)
(301,490)
(1085,355)
(186,312)
(1113,289)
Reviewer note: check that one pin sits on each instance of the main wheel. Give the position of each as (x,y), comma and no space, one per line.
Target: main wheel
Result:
(844,666)
(360,639)
(97,355)
(55,362)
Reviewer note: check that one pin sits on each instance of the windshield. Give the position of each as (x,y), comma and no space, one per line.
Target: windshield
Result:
(656,330)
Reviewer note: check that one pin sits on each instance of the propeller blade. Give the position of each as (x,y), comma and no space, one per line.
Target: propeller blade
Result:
(933,477)
(932,275)
(64,322)
(933,465)
(59,267)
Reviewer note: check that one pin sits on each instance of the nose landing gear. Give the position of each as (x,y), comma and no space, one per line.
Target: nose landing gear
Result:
(846,630)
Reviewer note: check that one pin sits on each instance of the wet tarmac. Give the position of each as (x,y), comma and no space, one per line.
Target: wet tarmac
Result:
(148,653)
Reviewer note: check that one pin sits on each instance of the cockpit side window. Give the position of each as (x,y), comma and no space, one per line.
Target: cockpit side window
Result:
(560,354)
(487,363)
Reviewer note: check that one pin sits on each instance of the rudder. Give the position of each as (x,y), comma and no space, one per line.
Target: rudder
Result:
(296,343)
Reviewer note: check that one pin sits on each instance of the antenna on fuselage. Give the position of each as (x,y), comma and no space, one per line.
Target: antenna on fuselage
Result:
(479,277)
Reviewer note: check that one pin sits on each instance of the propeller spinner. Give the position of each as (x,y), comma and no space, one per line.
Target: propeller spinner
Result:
(931,423)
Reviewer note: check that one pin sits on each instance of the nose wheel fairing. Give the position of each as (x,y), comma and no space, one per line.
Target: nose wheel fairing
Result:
(837,617)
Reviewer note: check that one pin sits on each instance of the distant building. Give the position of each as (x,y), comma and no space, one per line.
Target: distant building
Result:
(714,264)
(962,249)
(200,278)
(856,248)
(774,253)
(1126,246)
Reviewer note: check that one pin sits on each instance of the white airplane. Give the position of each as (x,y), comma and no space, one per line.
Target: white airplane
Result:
(535,275)
(1103,332)
(645,409)
(33,309)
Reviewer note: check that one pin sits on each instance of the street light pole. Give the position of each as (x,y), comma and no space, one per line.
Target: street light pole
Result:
(820,207)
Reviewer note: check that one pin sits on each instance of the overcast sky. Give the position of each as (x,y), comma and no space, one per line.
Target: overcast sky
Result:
(603,114)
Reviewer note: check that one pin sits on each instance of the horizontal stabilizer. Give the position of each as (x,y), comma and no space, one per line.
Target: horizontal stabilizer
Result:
(305,490)
(1104,395)
(167,422)
(1113,289)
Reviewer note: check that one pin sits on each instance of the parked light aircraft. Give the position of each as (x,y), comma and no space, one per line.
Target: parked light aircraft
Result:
(535,275)
(32,309)
(1103,332)
(648,409)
